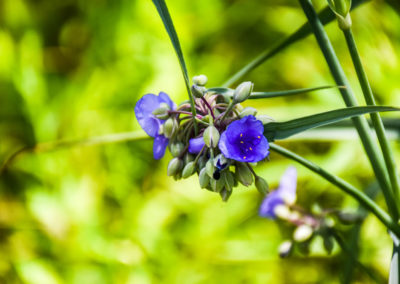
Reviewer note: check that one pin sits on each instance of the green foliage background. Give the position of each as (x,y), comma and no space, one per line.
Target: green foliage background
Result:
(108,214)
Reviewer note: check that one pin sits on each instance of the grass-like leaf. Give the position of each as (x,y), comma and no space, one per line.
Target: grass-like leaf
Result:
(281,130)
(169,27)
(326,16)
(266,95)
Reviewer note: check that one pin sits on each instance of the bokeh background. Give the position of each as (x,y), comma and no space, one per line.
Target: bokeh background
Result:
(74,69)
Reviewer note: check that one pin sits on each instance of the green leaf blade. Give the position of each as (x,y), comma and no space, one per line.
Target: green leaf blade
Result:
(281,130)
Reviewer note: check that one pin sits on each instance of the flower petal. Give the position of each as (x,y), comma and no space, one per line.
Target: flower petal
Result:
(195,145)
(159,145)
(164,98)
(269,203)
(288,185)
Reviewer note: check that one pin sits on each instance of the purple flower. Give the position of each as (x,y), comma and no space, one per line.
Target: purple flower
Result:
(151,125)
(285,194)
(243,140)
(196,144)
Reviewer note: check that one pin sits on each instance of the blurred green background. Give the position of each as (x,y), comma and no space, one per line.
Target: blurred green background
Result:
(74,69)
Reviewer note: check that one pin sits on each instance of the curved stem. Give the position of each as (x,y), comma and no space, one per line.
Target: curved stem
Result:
(371,148)
(54,145)
(361,197)
(375,117)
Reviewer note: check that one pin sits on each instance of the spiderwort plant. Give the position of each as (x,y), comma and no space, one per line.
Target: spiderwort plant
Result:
(228,137)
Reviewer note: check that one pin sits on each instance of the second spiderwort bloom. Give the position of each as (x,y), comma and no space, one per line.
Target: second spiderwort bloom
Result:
(284,195)
(150,123)
(196,144)
(243,140)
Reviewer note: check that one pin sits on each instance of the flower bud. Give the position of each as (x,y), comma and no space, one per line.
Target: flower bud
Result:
(221,162)
(201,163)
(200,80)
(217,185)
(187,158)
(170,126)
(349,218)
(204,179)
(198,91)
(210,167)
(242,92)
(162,111)
(176,148)
(243,174)
(282,211)
(227,179)
(211,136)
(285,248)
(225,194)
(302,233)
(265,118)
(188,170)
(328,244)
(262,185)
(341,8)
(174,166)
(248,111)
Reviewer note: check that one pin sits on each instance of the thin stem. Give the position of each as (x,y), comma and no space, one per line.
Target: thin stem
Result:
(361,197)
(208,106)
(184,112)
(227,111)
(375,117)
(360,123)
(55,145)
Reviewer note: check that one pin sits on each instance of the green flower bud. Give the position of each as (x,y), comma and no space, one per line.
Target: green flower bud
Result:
(202,161)
(265,118)
(174,166)
(187,158)
(328,244)
(242,92)
(243,174)
(248,111)
(210,168)
(302,233)
(169,127)
(200,80)
(176,148)
(204,179)
(198,91)
(285,248)
(225,194)
(211,136)
(262,185)
(217,185)
(341,8)
(188,170)
(162,111)
(228,179)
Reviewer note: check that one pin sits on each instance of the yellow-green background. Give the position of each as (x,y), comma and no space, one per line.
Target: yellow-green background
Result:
(74,69)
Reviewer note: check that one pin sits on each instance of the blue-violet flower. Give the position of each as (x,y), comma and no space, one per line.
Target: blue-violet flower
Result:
(196,144)
(150,123)
(284,195)
(243,140)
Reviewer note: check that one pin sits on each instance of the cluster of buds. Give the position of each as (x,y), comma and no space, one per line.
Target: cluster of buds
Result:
(281,204)
(213,137)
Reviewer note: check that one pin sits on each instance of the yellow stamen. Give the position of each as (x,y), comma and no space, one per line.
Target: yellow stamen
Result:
(241,142)
(241,134)
(244,157)
(251,149)
(259,137)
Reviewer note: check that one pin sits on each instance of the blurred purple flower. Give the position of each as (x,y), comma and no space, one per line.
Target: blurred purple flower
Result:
(196,144)
(151,125)
(285,194)
(243,140)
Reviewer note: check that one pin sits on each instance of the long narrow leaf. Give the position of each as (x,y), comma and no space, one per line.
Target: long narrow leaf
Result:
(266,95)
(169,26)
(281,130)
(326,16)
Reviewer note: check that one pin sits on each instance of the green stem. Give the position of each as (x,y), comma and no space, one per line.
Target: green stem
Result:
(55,145)
(361,197)
(375,117)
(360,123)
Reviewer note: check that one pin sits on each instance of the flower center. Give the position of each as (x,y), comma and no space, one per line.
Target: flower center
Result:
(247,143)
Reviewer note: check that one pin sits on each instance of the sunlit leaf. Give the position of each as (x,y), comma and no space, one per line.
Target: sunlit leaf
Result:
(281,130)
